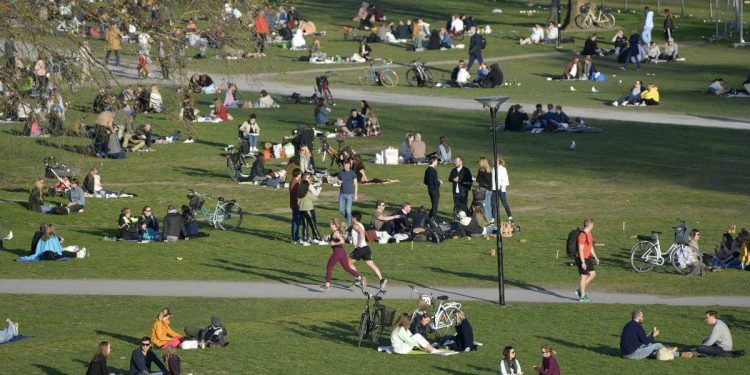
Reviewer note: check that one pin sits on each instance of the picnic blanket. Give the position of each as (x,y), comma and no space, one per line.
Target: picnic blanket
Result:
(16,339)
(441,352)
(20,259)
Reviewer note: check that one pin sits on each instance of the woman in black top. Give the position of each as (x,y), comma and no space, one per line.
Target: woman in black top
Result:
(98,364)
(668,24)
(433,185)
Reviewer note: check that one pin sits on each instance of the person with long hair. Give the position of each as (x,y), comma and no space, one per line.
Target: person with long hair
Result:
(405,149)
(668,24)
(219,111)
(338,255)
(372,125)
(162,334)
(500,188)
(36,198)
(321,112)
(484,182)
(403,341)
(305,160)
(444,151)
(307,194)
(98,364)
(509,364)
(230,98)
(549,363)
(173,361)
(50,247)
(148,225)
(464,338)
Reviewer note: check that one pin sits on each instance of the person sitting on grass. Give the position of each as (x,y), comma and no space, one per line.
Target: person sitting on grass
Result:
(549,363)
(635,343)
(573,70)
(76,197)
(463,76)
(719,343)
(551,33)
(467,226)
(724,257)
(381,221)
(631,98)
(589,69)
(537,34)
(162,334)
(148,225)
(219,111)
(591,47)
(620,41)
(355,124)
(464,338)
(403,341)
(421,325)
(128,226)
(173,361)
(50,247)
(671,51)
(454,72)
(321,112)
(650,96)
(36,199)
(174,225)
(114,150)
(405,149)
(494,77)
(444,151)
(143,357)
(509,364)
(251,131)
(717,87)
(230,99)
(98,364)
(689,256)
(482,73)
(653,53)
(418,148)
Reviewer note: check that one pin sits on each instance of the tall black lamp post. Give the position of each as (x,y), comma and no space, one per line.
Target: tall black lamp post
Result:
(493,103)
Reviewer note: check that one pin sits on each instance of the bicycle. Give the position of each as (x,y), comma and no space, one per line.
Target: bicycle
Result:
(419,75)
(443,323)
(588,17)
(374,319)
(236,163)
(385,77)
(227,214)
(647,254)
(322,89)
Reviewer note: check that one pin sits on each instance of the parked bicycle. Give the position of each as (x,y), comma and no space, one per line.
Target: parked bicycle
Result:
(227,214)
(592,15)
(419,75)
(322,89)
(374,319)
(647,254)
(442,323)
(237,166)
(385,76)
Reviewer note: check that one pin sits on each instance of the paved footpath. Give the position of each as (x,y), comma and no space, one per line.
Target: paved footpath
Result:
(172,288)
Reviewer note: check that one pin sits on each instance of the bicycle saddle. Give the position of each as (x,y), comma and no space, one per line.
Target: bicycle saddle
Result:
(377,298)
(643,237)
(442,298)
(219,199)
(655,232)
(232,200)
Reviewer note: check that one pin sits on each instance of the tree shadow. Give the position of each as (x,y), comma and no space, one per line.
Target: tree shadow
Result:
(298,279)
(48,370)
(452,370)
(279,218)
(335,331)
(76,149)
(484,369)
(199,172)
(266,234)
(209,143)
(97,231)
(17,252)
(599,349)
(424,286)
(117,336)
(16,190)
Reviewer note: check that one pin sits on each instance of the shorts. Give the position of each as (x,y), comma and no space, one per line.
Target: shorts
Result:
(361,253)
(590,266)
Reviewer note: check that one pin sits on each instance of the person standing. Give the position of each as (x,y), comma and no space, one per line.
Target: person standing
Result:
(362,251)
(433,185)
(719,343)
(348,191)
(648,25)
(114,44)
(98,364)
(668,24)
(501,191)
(476,45)
(462,180)
(634,41)
(635,343)
(296,222)
(307,194)
(261,31)
(586,267)
(143,357)
(484,182)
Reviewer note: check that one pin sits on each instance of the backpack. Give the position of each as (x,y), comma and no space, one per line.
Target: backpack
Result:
(682,234)
(571,246)
(483,42)
(434,232)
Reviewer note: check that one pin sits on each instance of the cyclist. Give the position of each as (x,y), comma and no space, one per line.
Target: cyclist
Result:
(362,251)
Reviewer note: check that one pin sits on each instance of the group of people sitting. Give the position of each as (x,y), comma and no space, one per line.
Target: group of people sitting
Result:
(413,150)
(486,77)
(145,227)
(551,120)
(363,122)
(640,96)
(540,34)
(76,198)
(719,88)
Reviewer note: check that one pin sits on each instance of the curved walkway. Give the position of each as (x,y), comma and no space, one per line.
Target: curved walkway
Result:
(217,289)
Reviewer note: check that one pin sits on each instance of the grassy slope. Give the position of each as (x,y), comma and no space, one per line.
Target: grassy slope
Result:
(644,175)
(314,337)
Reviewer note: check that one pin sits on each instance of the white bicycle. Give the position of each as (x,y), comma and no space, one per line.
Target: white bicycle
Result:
(443,323)
(647,254)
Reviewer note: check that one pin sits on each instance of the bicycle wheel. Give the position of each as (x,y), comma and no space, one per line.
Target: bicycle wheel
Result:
(364,320)
(640,256)
(229,216)
(679,264)
(428,78)
(377,325)
(329,97)
(606,20)
(583,22)
(444,323)
(232,169)
(365,78)
(412,77)
(388,78)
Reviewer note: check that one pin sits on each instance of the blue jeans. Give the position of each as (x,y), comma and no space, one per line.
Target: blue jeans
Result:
(472,57)
(45,208)
(296,223)
(503,200)
(345,207)
(633,52)
(252,140)
(712,350)
(646,351)
(487,204)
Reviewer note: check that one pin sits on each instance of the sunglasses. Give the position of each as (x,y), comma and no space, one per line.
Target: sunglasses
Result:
(145,344)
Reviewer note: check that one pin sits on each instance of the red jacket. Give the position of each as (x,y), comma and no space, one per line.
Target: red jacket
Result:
(261,25)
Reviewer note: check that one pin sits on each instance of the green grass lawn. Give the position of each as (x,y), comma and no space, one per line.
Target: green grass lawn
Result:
(318,336)
(643,175)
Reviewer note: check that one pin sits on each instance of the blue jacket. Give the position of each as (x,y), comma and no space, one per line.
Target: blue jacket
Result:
(322,116)
(51,244)
(77,196)
(633,336)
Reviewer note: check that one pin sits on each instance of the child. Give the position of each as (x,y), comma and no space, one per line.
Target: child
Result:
(143,65)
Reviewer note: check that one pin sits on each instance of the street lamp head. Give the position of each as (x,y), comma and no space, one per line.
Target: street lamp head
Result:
(492,102)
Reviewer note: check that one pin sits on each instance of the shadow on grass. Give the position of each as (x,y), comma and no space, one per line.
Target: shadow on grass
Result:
(452,370)
(423,286)
(484,369)
(16,190)
(335,331)
(48,370)
(18,252)
(267,234)
(294,278)
(282,219)
(209,143)
(599,349)
(117,336)
(198,172)
(97,231)
(76,149)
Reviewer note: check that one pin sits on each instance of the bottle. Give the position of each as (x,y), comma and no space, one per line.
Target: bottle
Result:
(573,145)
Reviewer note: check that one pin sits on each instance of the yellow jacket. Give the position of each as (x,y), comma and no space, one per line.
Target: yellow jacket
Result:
(161,333)
(114,39)
(652,93)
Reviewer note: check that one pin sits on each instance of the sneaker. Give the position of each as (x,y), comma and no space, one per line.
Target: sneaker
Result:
(325,288)
(578,292)
(383,283)
(321,242)
(584,299)
(687,354)
(304,243)
(623,68)
(643,104)
(615,103)
(314,241)
(357,283)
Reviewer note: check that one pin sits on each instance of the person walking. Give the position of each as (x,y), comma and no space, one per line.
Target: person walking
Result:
(586,267)
(338,255)
(296,220)
(114,44)
(462,180)
(648,25)
(362,251)
(633,50)
(348,191)
(668,24)
(433,185)
(476,45)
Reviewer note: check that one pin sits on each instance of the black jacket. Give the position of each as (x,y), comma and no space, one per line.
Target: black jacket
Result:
(475,45)
(140,362)
(464,337)
(98,366)
(494,78)
(484,179)
(431,178)
(464,179)
(590,47)
(434,42)
(88,184)
(174,225)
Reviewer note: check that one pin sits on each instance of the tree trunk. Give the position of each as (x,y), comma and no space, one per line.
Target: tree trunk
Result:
(574,9)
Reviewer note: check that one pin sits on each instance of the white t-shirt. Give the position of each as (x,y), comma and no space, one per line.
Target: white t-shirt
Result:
(574,70)
(463,76)
(457,25)
(355,236)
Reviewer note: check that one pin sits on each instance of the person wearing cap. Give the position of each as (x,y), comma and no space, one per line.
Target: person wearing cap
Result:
(213,335)
(162,334)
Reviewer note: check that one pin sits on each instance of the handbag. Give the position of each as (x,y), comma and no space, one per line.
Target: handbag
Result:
(665,354)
